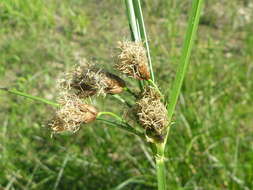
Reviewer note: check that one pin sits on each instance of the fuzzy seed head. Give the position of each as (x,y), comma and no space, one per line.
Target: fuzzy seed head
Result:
(132,60)
(88,80)
(151,112)
(72,113)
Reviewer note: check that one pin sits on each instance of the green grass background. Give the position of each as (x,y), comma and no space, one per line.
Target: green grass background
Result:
(211,142)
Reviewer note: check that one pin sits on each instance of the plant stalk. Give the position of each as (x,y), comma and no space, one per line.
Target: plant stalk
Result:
(143,34)
(181,71)
(132,20)
(184,60)
(134,27)
(122,126)
(39,99)
(160,167)
(156,87)
(111,114)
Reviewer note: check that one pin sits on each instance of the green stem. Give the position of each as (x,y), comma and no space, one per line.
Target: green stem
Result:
(134,27)
(43,100)
(111,114)
(184,61)
(132,20)
(143,34)
(181,70)
(130,92)
(156,87)
(116,96)
(122,126)
(160,167)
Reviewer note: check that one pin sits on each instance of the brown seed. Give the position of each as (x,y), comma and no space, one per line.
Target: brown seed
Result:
(115,84)
(90,113)
(144,73)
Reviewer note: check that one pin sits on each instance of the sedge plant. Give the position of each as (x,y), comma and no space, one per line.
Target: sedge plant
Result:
(152,113)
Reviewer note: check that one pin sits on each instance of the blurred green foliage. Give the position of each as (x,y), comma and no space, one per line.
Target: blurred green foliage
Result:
(211,142)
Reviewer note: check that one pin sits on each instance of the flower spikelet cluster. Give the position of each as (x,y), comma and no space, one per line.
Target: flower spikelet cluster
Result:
(132,60)
(88,80)
(71,114)
(151,112)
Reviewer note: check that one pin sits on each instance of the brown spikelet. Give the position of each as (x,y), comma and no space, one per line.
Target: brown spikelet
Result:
(88,81)
(152,114)
(132,60)
(72,114)
(115,84)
